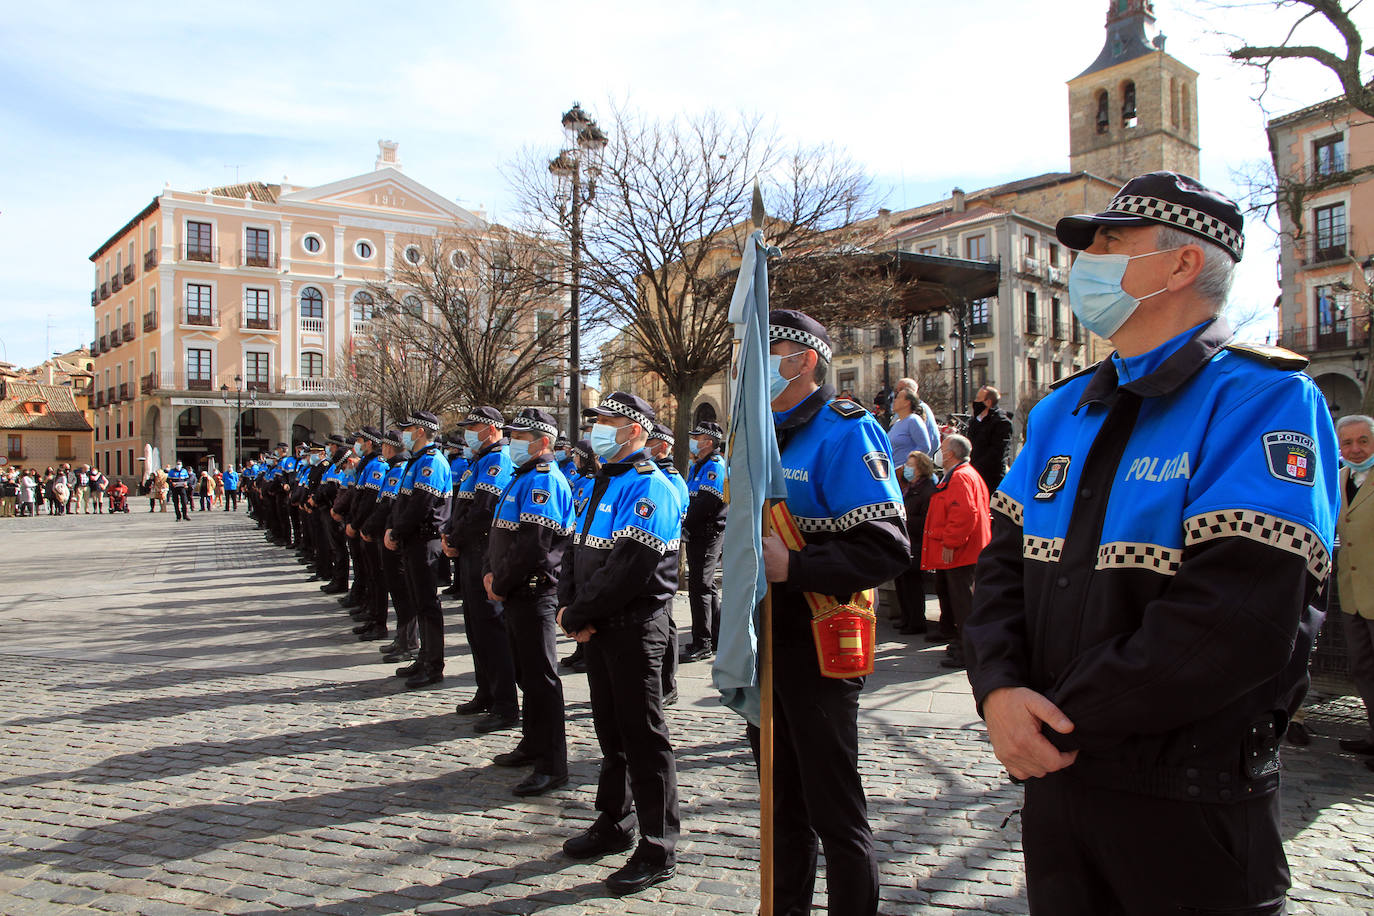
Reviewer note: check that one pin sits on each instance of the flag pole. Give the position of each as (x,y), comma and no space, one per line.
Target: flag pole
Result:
(766,844)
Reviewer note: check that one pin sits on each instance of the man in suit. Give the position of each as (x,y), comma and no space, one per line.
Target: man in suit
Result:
(1355,564)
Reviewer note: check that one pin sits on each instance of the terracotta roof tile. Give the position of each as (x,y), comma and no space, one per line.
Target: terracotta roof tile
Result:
(61,414)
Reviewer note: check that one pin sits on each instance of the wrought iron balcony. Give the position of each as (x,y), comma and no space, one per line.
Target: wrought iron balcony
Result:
(104,290)
(150,321)
(129,274)
(1342,334)
(150,259)
(116,283)
(257,258)
(124,391)
(148,384)
(207,254)
(200,317)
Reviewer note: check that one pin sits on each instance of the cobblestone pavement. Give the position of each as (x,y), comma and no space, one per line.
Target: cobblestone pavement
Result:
(190,727)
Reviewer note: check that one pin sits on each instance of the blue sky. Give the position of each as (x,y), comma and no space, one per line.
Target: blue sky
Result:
(104,105)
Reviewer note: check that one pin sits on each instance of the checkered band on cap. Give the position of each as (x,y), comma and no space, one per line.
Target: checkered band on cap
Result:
(714,431)
(533,425)
(625,410)
(370,437)
(778,332)
(432,425)
(1185,218)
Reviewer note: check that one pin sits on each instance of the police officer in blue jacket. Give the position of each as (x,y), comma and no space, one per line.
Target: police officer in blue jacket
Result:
(529,534)
(660,447)
(587,466)
(371,615)
(334,481)
(614,590)
(842,493)
(407,640)
(468,534)
(564,457)
(1141,623)
(179,486)
(418,515)
(702,530)
(457,464)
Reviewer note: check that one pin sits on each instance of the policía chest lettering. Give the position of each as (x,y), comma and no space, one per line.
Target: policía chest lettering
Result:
(1159,469)
(796,474)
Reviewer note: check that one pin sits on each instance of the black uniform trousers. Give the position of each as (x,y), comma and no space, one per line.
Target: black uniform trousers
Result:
(367,576)
(397,584)
(533,639)
(181,501)
(817,793)
(293,517)
(424,598)
(484,624)
(1101,852)
(703,557)
(638,770)
(324,546)
(282,517)
(338,542)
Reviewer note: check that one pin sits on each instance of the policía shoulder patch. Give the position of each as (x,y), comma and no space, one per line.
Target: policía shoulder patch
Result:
(879,465)
(645,508)
(1052,478)
(847,408)
(494,470)
(539,497)
(1291,456)
(426,472)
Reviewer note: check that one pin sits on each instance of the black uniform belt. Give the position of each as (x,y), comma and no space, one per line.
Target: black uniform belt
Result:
(1206,782)
(622,621)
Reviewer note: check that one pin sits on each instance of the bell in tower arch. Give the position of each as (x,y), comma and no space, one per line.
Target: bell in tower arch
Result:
(1128,114)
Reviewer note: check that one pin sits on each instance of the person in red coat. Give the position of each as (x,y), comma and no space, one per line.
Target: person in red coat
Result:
(958,527)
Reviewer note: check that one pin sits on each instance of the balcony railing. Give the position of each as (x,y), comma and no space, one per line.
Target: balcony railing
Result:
(124,391)
(95,297)
(1342,334)
(1329,249)
(980,329)
(209,255)
(128,331)
(1034,324)
(100,346)
(199,383)
(100,399)
(110,395)
(116,283)
(1326,168)
(150,321)
(129,274)
(104,290)
(95,346)
(314,384)
(148,384)
(114,339)
(260,321)
(312,325)
(251,258)
(199,317)
(361,328)
(257,385)
(150,259)
(1057,329)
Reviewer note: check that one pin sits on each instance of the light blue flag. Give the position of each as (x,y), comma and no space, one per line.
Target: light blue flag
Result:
(755,475)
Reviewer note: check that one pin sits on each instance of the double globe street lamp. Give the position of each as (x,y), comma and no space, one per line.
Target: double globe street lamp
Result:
(576,167)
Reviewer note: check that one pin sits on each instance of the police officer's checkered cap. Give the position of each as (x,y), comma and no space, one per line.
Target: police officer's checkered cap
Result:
(613,405)
(483,416)
(529,421)
(1167,199)
(393,438)
(709,429)
(424,420)
(799,335)
(371,434)
(662,433)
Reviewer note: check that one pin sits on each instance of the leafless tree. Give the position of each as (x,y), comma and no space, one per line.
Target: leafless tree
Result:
(389,377)
(670,214)
(472,318)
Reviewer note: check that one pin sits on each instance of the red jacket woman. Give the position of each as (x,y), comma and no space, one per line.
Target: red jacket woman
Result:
(958,520)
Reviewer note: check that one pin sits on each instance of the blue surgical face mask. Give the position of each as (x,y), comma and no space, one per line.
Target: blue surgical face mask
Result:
(908,472)
(560,454)
(519,452)
(472,439)
(694,445)
(1095,293)
(777,382)
(357,449)
(1362,466)
(605,440)
(407,439)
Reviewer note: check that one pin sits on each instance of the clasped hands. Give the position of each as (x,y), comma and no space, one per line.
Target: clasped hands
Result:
(1014,716)
(581,635)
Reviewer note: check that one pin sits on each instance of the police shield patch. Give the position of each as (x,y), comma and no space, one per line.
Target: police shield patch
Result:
(1291,456)
(426,472)
(1053,477)
(494,470)
(879,465)
(645,508)
(539,497)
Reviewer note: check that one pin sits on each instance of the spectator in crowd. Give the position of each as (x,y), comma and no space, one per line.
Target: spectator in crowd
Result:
(918,484)
(98,484)
(205,491)
(157,491)
(73,495)
(230,480)
(881,413)
(9,493)
(989,429)
(912,430)
(1355,565)
(48,497)
(61,494)
(958,527)
(28,493)
(81,494)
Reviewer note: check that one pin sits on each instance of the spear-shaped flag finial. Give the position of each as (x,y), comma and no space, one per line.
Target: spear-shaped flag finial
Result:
(758,212)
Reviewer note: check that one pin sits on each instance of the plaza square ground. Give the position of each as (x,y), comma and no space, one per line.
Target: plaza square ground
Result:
(189,726)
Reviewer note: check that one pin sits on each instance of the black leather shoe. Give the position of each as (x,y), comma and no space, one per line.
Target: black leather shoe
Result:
(538,784)
(638,874)
(696,653)
(495,722)
(333,588)
(390,647)
(670,698)
(373,633)
(569,661)
(953,663)
(410,670)
(424,677)
(348,602)
(361,628)
(597,841)
(475,706)
(1298,735)
(516,758)
(360,615)
(399,655)
(1357,745)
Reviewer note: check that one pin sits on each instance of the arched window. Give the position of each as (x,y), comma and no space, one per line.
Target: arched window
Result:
(312,365)
(1173,101)
(363,306)
(312,303)
(413,306)
(1186,105)
(1104,112)
(1128,117)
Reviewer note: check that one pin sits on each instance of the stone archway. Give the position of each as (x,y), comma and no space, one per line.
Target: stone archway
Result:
(199,433)
(1343,394)
(706,412)
(313,425)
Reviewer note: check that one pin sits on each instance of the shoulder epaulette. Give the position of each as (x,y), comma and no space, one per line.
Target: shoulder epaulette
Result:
(847,408)
(542,466)
(672,469)
(1069,378)
(1277,357)
(645,466)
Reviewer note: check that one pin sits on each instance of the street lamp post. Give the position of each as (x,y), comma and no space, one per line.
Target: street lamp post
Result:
(237,401)
(585,144)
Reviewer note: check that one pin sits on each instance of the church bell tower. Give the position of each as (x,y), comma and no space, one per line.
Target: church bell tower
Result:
(1135,109)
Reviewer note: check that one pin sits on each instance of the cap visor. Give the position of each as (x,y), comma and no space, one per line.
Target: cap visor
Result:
(1077,232)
